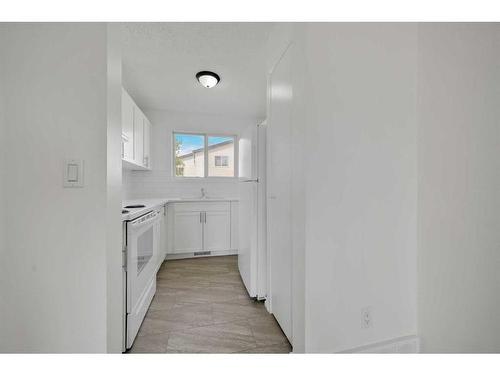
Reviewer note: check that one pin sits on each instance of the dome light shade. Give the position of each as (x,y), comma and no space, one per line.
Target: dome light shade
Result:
(207,79)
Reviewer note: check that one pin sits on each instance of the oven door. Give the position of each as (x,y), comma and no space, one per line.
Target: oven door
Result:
(142,252)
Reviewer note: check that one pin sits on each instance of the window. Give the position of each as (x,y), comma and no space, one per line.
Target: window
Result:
(189,154)
(221,161)
(203,155)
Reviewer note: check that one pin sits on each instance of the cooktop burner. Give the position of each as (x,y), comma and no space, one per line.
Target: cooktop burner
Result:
(125,211)
(135,206)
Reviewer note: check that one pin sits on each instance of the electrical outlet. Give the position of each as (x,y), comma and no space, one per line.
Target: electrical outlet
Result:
(366,317)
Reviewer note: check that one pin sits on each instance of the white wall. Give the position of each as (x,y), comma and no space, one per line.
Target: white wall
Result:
(459,185)
(114,281)
(159,182)
(298,140)
(2,173)
(367,89)
(54,269)
(361,211)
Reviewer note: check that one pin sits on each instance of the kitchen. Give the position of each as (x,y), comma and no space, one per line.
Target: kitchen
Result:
(194,182)
(249,187)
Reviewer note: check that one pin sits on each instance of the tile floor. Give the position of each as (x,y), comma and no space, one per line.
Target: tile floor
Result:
(201,306)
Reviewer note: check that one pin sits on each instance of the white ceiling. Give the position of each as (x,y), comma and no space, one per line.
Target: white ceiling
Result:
(160,61)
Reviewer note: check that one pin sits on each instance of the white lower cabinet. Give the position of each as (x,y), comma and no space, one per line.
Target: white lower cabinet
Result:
(200,227)
(217,231)
(188,232)
(163,235)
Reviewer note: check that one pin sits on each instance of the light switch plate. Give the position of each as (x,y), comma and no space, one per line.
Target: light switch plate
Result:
(73,173)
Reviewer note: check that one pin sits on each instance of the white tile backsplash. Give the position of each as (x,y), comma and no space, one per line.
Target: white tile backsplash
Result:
(155,184)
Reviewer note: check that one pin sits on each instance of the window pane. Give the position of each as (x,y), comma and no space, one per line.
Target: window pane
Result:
(189,150)
(220,156)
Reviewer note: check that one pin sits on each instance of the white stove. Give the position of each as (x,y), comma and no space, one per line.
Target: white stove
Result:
(141,227)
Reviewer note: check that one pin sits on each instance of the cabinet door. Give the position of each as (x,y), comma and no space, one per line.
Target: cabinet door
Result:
(217,231)
(163,234)
(127,127)
(138,136)
(147,143)
(188,232)
(234,225)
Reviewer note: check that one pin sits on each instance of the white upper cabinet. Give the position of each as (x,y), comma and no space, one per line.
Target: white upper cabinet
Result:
(147,143)
(136,135)
(127,127)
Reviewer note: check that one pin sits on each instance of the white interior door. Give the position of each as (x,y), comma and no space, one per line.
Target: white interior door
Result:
(279,194)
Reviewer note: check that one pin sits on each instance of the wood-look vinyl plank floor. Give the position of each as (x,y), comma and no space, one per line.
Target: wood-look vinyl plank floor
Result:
(202,306)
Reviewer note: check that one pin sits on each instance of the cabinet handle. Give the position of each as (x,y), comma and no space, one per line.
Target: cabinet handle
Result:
(205,217)
(201,217)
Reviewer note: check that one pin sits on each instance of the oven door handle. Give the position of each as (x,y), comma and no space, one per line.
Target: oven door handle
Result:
(138,223)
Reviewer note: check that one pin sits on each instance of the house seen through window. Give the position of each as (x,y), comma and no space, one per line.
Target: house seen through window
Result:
(204,155)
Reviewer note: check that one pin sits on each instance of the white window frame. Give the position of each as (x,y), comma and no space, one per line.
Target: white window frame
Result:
(205,151)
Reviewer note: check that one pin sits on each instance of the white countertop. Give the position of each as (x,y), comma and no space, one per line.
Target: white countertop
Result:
(152,203)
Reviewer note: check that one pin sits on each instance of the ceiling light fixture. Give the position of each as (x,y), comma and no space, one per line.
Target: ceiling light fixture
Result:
(207,79)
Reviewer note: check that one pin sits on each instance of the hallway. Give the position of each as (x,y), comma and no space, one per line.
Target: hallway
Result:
(201,306)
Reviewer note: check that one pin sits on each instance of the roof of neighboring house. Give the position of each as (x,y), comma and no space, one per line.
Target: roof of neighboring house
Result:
(212,147)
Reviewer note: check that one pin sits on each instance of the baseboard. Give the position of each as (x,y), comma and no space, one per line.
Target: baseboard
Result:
(267,305)
(406,344)
(191,255)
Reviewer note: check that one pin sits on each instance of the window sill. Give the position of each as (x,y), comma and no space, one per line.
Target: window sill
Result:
(204,179)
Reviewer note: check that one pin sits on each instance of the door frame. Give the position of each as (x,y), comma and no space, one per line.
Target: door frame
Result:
(269,302)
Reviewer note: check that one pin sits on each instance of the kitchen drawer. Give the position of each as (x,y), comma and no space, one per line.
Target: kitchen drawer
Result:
(201,206)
